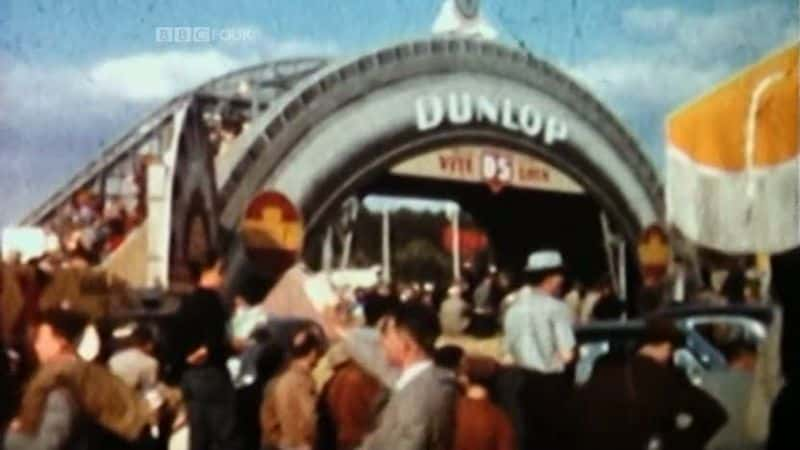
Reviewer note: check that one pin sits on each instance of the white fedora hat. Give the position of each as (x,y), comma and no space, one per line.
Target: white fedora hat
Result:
(544,260)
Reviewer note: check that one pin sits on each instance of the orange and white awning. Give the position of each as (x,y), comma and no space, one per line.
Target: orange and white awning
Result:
(733,172)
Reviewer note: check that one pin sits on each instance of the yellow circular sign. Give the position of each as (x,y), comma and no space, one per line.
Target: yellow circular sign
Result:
(654,250)
(272,230)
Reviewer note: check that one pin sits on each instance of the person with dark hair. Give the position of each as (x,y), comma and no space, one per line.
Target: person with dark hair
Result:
(376,304)
(608,307)
(263,358)
(734,287)
(200,349)
(347,403)
(419,412)
(288,411)
(449,357)
(479,424)
(643,401)
(7,386)
(71,403)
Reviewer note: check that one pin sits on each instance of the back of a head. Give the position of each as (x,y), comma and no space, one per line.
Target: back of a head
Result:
(734,285)
(449,357)
(305,341)
(481,370)
(377,306)
(66,323)
(142,335)
(253,289)
(420,322)
(660,330)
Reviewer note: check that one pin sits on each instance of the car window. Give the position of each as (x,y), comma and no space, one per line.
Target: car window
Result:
(588,354)
(721,341)
(686,360)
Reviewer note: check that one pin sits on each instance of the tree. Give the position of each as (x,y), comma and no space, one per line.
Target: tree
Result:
(421,260)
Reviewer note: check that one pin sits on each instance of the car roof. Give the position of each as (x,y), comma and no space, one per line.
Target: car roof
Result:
(634,328)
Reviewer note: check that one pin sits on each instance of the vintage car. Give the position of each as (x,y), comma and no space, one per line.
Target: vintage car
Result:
(702,327)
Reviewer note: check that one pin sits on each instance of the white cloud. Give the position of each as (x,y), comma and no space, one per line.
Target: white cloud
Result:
(54,117)
(158,75)
(703,36)
(679,55)
(144,77)
(645,81)
(297,47)
(685,53)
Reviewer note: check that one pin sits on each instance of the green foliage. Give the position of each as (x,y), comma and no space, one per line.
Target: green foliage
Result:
(421,260)
(416,242)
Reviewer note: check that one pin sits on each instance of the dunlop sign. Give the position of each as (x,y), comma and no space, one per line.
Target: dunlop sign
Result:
(463,108)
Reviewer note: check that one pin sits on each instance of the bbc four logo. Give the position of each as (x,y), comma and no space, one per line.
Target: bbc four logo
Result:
(185,35)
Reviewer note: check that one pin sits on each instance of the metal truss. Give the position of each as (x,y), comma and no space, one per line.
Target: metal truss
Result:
(246,92)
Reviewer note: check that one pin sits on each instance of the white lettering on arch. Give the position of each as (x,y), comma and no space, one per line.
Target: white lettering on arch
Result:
(461,108)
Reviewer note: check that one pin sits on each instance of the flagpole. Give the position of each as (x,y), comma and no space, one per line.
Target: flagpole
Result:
(456,240)
(386,249)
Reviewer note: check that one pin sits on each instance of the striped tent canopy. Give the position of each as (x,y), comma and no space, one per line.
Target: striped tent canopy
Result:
(733,174)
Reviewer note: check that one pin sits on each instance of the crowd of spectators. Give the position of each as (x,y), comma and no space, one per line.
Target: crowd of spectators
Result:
(233,376)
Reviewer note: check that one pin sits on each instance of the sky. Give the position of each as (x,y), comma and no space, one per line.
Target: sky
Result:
(75,76)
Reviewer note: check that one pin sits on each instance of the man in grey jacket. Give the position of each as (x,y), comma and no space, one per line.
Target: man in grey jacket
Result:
(420,407)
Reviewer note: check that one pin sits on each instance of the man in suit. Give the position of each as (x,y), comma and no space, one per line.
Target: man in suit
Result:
(421,404)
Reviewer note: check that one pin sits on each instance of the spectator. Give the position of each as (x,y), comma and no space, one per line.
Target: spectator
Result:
(70,403)
(134,363)
(116,233)
(574,299)
(600,290)
(487,298)
(487,293)
(248,312)
(479,424)
(288,411)
(538,326)
(7,386)
(733,289)
(454,313)
(608,307)
(199,355)
(643,401)
(348,400)
(419,411)
(377,304)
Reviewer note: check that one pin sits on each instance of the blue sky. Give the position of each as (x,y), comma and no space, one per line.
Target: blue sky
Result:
(76,76)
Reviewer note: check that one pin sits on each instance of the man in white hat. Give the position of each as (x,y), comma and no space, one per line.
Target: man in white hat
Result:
(538,325)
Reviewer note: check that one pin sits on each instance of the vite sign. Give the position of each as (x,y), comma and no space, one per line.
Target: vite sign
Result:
(463,108)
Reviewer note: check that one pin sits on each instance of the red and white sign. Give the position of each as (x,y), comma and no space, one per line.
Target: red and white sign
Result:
(494,166)
(497,170)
